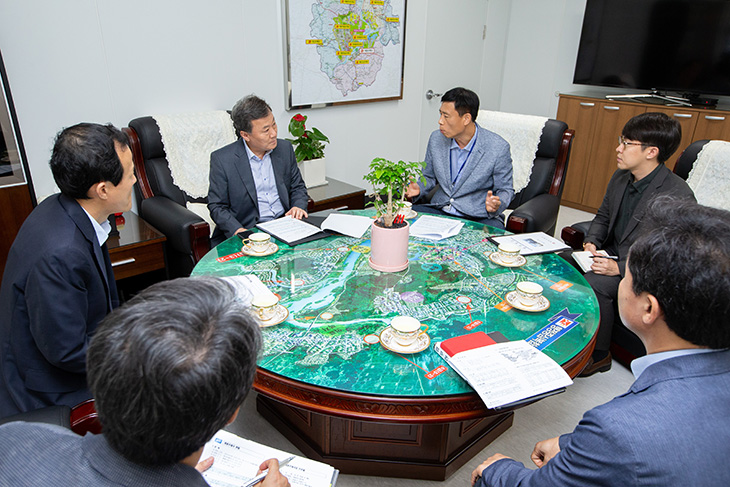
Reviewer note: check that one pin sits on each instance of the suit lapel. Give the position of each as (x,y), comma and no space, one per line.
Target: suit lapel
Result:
(103,264)
(646,197)
(243,167)
(616,198)
(279,166)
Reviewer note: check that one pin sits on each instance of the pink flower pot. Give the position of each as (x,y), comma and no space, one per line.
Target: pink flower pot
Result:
(388,248)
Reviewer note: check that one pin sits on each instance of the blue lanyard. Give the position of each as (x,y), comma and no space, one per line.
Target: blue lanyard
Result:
(451,172)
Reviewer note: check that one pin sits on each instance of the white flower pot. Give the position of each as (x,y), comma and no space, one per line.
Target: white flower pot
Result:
(313,172)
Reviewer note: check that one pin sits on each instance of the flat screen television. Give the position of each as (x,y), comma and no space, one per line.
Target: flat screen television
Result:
(681,46)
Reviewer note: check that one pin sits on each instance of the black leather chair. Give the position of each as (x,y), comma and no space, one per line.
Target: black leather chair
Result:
(535,208)
(162,204)
(625,345)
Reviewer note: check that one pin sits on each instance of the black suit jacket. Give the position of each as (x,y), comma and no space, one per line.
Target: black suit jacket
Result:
(665,182)
(232,198)
(57,286)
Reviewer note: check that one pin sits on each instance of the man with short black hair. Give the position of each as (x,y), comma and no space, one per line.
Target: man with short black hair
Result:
(168,369)
(470,167)
(671,428)
(647,141)
(256,178)
(58,283)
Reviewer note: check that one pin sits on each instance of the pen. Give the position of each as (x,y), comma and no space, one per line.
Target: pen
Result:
(612,257)
(263,474)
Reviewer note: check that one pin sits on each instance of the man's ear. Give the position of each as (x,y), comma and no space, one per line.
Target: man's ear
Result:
(652,153)
(466,118)
(652,311)
(244,135)
(98,191)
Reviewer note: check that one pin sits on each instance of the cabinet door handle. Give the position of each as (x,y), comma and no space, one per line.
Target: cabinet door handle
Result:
(711,117)
(611,108)
(586,104)
(123,262)
(683,115)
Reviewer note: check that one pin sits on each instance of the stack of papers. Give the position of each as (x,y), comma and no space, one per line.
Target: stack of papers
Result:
(435,228)
(532,243)
(247,286)
(583,258)
(293,232)
(236,461)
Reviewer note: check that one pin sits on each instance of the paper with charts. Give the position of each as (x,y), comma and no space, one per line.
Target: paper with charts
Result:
(345,50)
(236,461)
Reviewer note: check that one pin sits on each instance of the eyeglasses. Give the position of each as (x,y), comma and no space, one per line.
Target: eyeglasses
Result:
(622,141)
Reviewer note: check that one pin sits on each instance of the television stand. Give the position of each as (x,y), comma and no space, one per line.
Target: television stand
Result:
(654,95)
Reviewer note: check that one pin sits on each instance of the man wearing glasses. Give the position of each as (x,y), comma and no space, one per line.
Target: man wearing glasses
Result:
(646,142)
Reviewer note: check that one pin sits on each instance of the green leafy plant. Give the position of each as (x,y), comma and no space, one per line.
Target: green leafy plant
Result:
(308,144)
(390,181)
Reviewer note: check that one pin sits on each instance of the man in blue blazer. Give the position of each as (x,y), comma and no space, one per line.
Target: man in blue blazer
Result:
(468,168)
(672,427)
(256,178)
(58,282)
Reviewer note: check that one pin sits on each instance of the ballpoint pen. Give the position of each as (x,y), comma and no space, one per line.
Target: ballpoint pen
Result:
(612,257)
(263,474)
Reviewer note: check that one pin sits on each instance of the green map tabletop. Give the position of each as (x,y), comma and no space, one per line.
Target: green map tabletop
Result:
(338,306)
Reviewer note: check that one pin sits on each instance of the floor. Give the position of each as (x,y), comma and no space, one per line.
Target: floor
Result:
(545,419)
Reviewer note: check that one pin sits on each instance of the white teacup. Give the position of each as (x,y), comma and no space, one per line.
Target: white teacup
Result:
(529,293)
(406,330)
(509,253)
(264,306)
(407,209)
(259,242)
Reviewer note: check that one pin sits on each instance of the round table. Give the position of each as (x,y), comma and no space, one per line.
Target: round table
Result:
(328,384)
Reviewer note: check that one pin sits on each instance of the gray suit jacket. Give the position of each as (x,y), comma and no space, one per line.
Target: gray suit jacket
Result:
(44,454)
(665,182)
(57,286)
(232,198)
(488,168)
(670,429)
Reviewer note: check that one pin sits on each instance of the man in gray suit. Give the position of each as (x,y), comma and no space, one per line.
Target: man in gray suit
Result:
(256,178)
(647,141)
(671,428)
(470,168)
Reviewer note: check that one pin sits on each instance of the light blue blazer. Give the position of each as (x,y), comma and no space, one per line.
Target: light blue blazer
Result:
(489,167)
(671,428)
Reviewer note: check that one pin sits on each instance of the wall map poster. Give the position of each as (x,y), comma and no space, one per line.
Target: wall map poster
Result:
(344,51)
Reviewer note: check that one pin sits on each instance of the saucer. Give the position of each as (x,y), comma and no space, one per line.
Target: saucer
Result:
(410,216)
(281,314)
(246,249)
(513,300)
(388,341)
(495,257)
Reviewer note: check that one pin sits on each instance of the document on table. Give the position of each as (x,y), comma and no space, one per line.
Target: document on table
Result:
(510,372)
(350,225)
(532,243)
(435,228)
(288,229)
(237,461)
(247,286)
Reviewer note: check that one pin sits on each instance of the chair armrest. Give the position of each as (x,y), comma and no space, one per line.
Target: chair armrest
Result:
(536,215)
(575,234)
(186,232)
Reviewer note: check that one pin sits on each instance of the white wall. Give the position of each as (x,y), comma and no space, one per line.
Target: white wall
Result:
(103,61)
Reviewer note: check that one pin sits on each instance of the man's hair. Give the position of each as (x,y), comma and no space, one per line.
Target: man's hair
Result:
(465,101)
(684,261)
(169,368)
(246,110)
(86,154)
(655,129)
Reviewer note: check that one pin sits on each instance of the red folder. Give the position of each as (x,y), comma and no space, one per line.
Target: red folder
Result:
(454,345)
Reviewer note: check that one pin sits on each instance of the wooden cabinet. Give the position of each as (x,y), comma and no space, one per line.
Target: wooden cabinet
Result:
(598,123)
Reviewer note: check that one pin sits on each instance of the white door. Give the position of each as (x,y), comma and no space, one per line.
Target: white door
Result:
(454,54)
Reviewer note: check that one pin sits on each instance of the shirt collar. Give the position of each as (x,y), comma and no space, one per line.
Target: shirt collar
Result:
(639,365)
(100,229)
(253,156)
(471,142)
(644,182)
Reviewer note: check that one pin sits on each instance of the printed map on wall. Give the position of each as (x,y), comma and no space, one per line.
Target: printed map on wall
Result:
(343,51)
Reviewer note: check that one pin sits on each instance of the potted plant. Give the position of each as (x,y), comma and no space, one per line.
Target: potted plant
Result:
(389,234)
(309,150)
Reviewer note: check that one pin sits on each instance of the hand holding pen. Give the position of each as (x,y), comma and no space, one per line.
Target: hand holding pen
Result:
(270,474)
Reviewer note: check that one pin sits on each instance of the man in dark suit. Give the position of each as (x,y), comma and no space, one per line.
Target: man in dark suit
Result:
(168,369)
(256,178)
(647,141)
(58,282)
(671,428)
